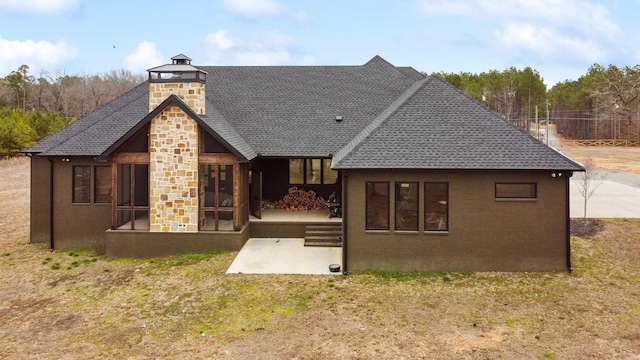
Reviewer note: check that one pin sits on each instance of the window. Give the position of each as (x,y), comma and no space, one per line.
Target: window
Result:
(296,171)
(377,205)
(329,176)
(516,191)
(81,184)
(406,206)
(102,190)
(311,171)
(436,206)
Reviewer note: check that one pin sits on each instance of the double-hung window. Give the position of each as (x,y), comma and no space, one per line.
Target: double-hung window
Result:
(406,201)
(83,182)
(377,206)
(436,206)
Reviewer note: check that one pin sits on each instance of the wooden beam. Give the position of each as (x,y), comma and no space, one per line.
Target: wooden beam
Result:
(220,159)
(114,190)
(131,158)
(237,199)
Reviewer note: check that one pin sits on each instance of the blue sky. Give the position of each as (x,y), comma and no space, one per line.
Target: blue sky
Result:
(559,38)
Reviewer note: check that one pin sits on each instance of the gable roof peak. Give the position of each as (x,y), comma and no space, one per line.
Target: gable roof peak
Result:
(378,60)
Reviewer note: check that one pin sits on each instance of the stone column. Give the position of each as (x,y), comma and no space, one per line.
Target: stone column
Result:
(173,168)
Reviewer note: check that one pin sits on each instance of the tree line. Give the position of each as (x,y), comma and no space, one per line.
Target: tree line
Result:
(33,107)
(602,104)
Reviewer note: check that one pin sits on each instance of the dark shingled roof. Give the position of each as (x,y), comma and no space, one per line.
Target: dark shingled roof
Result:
(94,133)
(290,111)
(435,126)
(278,111)
(392,117)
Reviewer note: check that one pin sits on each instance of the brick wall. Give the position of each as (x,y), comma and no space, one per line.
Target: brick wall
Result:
(484,234)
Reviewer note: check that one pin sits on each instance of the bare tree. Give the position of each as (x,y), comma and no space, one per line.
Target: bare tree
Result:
(589,181)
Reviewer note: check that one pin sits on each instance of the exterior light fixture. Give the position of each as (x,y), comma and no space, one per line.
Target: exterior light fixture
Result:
(338,118)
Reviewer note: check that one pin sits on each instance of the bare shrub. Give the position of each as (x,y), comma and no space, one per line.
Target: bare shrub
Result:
(589,181)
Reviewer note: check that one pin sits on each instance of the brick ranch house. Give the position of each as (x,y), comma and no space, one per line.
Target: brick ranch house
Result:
(428,178)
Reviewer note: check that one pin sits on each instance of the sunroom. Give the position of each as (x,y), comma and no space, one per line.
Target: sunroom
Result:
(176,176)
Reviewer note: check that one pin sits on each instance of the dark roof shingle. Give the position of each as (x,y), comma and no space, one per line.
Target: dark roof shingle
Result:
(391,118)
(435,126)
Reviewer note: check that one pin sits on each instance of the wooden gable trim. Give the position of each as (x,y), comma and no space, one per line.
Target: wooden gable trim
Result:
(217,159)
(123,158)
(171,100)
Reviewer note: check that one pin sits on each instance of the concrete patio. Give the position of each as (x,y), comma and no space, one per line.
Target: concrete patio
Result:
(284,256)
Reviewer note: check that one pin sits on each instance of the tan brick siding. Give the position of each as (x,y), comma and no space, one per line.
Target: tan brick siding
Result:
(484,234)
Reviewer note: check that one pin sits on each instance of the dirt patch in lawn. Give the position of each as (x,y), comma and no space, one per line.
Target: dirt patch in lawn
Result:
(613,158)
(78,305)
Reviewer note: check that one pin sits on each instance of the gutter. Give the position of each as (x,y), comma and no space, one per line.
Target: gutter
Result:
(51,242)
(345,223)
(568,226)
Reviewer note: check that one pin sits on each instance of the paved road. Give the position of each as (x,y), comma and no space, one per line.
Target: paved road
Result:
(617,197)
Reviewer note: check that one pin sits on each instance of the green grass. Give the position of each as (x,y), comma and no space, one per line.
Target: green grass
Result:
(387,276)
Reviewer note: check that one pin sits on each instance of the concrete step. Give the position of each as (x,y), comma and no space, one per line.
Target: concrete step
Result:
(322,244)
(336,232)
(323,235)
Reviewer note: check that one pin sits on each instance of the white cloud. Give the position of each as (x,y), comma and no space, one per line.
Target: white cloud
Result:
(146,56)
(270,48)
(445,7)
(547,30)
(40,6)
(220,40)
(547,42)
(39,55)
(254,8)
(275,57)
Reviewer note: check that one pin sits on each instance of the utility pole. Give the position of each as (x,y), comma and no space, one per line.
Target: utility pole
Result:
(548,123)
(538,125)
(596,127)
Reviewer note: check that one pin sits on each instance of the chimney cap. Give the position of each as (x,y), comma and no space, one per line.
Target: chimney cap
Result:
(181,59)
(180,70)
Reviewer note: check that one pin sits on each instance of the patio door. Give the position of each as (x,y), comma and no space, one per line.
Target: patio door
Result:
(256,194)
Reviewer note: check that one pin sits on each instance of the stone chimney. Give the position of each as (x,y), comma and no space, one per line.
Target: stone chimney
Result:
(178,78)
(173,147)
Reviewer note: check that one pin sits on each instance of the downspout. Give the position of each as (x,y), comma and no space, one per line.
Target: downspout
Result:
(345,223)
(51,242)
(568,226)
